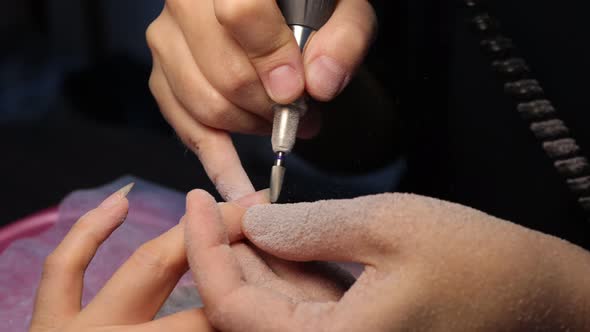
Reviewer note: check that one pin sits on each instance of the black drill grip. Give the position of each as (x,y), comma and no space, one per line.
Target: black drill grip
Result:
(309,13)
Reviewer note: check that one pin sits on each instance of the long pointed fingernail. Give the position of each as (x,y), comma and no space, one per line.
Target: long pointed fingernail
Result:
(117,197)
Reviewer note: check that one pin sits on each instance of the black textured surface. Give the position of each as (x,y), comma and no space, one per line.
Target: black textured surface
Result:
(40,165)
(497,164)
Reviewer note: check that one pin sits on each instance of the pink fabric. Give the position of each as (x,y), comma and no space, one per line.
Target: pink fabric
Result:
(153,210)
(30,226)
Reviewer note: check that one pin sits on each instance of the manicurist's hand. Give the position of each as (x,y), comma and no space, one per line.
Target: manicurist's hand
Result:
(218,65)
(135,293)
(430,266)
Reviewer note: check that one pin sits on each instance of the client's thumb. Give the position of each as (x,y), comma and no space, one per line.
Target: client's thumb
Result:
(336,230)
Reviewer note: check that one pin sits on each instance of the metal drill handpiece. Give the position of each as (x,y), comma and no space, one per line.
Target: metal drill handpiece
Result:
(304,17)
(286,124)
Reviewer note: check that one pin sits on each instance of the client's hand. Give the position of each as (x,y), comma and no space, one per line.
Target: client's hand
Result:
(132,296)
(429,266)
(135,293)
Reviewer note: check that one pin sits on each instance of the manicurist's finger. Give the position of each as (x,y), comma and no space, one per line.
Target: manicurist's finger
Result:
(135,293)
(259,27)
(60,290)
(338,48)
(190,87)
(214,147)
(220,57)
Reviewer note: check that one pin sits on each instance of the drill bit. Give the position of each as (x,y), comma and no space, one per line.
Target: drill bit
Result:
(276,178)
(284,133)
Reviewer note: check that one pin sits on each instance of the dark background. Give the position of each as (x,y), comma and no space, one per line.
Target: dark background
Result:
(75,109)
(76,112)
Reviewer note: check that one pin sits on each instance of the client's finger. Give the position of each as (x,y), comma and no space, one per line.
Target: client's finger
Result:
(215,268)
(60,290)
(352,230)
(232,212)
(320,281)
(143,282)
(185,321)
(228,299)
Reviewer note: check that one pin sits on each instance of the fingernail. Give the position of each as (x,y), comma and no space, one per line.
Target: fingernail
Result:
(327,76)
(284,83)
(233,192)
(260,197)
(116,198)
